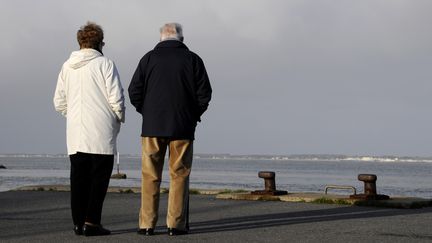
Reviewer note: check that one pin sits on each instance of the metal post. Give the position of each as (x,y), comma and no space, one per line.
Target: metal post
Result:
(118,163)
(269,184)
(187,207)
(370,191)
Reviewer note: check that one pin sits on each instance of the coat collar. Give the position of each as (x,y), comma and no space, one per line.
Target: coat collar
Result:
(170,44)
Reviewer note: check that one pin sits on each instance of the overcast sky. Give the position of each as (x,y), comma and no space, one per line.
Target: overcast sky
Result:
(288,77)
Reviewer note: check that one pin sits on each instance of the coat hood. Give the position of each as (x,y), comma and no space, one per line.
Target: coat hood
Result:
(80,58)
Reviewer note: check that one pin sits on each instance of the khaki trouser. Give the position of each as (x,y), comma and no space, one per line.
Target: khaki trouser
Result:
(180,164)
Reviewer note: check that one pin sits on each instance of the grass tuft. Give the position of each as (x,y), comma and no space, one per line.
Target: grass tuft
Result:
(226,191)
(126,191)
(324,200)
(194,192)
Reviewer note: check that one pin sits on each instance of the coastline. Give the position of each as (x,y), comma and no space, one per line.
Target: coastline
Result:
(400,202)
(269,157)
(114,189)
(394,179)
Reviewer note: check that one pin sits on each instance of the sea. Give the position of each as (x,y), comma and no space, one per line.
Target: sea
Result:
(410,177)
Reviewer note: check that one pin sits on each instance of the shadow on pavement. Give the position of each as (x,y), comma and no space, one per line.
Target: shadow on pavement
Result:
(279,219)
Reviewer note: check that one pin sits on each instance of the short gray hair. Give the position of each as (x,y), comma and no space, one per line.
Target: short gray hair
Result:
(171,31)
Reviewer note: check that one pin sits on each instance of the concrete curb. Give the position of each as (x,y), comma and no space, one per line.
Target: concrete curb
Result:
(66,188)
(395,202)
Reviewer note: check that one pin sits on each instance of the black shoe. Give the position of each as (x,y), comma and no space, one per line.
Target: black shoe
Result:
(148,231)
(78,230)
(94,230)
(174,231)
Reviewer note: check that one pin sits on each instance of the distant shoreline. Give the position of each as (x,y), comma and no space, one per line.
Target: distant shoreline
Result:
(305,157)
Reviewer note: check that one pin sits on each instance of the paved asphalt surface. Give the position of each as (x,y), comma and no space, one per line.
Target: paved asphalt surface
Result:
(27,216)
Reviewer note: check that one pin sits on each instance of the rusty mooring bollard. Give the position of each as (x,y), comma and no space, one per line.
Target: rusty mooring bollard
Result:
(369,183)
(370,192)
(269,180)
(269,184)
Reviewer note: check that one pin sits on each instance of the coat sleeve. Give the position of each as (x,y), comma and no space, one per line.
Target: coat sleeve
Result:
(137,84)
(115,92)
(203,87)
(60,101)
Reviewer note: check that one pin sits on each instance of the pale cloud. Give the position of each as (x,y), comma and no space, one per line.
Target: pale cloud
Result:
(292,76)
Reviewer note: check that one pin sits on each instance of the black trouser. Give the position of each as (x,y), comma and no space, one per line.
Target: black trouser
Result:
(90,175)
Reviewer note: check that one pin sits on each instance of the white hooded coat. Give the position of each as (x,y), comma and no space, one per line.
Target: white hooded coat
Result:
(89,94)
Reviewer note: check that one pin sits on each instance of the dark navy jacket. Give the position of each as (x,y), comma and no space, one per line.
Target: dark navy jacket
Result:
(171,90)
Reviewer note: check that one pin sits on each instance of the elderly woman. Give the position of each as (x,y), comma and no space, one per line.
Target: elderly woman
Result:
(89,94)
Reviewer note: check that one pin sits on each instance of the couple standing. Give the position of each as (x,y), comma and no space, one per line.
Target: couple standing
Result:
(170,89)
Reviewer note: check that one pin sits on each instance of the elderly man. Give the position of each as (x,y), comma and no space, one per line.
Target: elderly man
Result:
(171,90)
